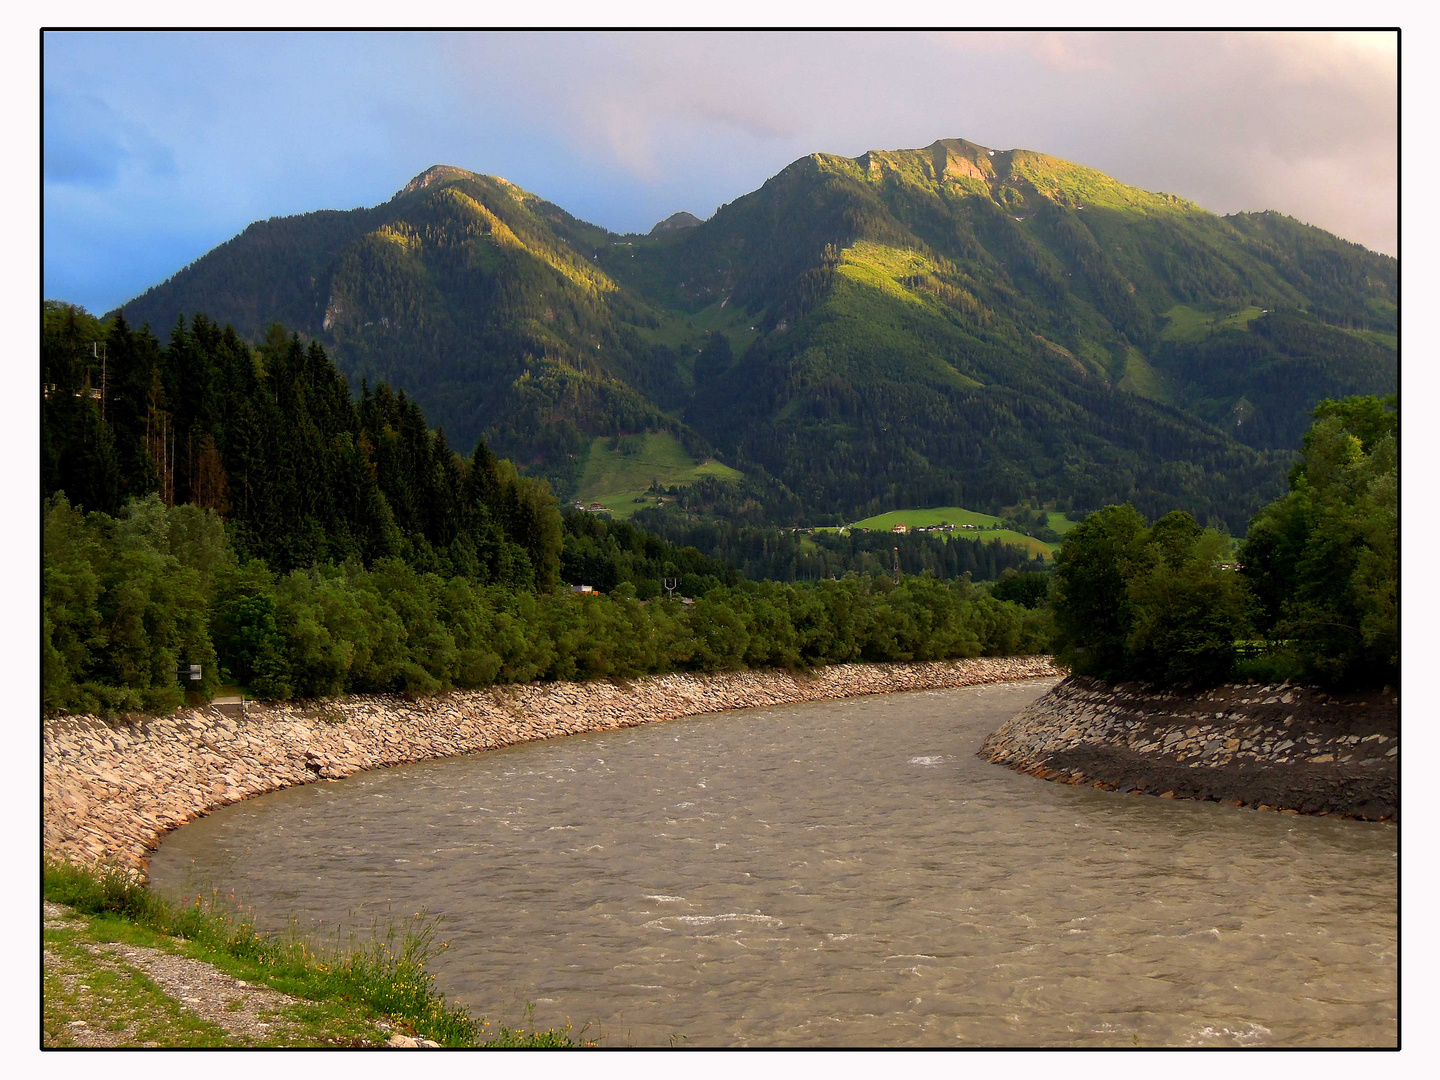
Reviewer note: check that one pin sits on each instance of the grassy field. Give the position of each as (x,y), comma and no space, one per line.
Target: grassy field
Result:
(682,329)
(1060,523)
(1189,324)
(1375,337)
(938,515)
(987,526)
(620,478)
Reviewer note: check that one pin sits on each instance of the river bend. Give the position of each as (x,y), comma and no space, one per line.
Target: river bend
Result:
(837,873)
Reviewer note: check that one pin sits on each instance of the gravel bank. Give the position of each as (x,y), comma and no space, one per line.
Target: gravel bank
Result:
(1289,748)
(112,789)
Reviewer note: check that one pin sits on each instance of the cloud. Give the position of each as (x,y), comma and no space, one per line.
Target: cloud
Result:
(629,99)
(1227,119)
(88,143)
(207,131)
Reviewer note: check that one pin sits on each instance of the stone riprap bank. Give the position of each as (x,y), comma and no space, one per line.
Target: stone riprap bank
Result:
(1288,748)
(112,789)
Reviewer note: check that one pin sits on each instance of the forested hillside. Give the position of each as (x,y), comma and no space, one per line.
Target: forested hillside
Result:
(234,507)
(271,439)
(765,552)
(954,325)
(479,299)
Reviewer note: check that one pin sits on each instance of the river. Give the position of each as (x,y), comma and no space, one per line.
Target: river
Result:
(832,874)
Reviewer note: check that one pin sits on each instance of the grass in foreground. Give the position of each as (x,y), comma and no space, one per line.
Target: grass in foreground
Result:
(350,996)
(84,994)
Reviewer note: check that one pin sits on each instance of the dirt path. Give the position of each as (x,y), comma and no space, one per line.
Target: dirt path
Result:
(100,994)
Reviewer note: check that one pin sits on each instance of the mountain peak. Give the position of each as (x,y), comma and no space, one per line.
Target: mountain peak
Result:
(437,174)
(682,220)
(1012,178)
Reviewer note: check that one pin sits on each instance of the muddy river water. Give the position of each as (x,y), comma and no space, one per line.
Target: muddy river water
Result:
(837,873)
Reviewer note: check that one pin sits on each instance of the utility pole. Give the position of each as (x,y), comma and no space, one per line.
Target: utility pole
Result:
(897,566)
(671,584)
(100,351)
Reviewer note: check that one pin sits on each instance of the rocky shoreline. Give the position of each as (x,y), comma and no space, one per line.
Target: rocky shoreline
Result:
(1288,748)
(112,789)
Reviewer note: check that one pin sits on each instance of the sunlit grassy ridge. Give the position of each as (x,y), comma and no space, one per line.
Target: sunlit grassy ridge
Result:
(883,322)
(1067,183)
(885,268)
(1011,177)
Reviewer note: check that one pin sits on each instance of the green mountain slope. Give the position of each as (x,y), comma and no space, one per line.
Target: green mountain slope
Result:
(473,295)
(952,325)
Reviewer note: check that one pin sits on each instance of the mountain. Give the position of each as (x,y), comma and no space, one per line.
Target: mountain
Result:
(954,325)
(683,220)
(479,298)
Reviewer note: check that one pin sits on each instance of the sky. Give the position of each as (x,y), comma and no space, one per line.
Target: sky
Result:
(159,146)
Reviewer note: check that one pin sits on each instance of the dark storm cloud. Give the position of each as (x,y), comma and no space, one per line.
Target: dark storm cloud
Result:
(179,141)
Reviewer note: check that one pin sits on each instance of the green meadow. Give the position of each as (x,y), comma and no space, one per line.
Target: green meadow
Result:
(939,515)
(689,328)
(1189,324)
(1059,522)
(618,473)
(987,526)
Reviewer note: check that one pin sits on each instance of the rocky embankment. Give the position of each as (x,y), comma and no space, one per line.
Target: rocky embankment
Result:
(113,788)
(1288,748)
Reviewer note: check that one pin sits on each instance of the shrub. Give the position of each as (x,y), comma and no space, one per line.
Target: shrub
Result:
(1148,604)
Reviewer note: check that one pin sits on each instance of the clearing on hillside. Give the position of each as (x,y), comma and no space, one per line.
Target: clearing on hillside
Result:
(1059,522)
(688,329)
(618,472)
(986,526)
(1188,324)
